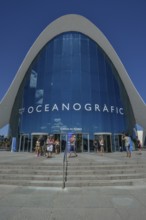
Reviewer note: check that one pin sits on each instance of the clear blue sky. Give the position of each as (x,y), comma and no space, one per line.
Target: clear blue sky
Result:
(123,22)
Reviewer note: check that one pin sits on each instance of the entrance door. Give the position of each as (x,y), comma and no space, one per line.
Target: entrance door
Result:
(24,143)
(63,142)
(85,142)
(35,137)
(82,142)
(62,138)
(118,142)
(107,140)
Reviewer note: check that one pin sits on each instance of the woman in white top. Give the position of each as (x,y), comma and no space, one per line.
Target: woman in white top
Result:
(49,143)
(127,140)
(101,143)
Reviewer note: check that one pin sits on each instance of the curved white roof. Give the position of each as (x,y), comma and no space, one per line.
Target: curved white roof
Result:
(79,24)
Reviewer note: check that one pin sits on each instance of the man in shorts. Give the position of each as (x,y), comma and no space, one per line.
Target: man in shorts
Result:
(127,140)
(72,146)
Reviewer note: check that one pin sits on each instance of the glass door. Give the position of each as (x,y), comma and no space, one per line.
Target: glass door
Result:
(24,143)
(57,139)
(63,142)
(118,142)
(82,142)
(85,142)
(106,139)
(34,137)
(79,147)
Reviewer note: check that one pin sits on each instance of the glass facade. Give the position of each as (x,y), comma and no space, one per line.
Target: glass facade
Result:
(72,86)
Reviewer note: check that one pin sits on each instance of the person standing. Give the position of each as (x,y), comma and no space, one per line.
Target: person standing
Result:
(72,146)
(127,141)
(96,147)
(101,143)
(57,146)
(38,148)
(49,143)
(42,145)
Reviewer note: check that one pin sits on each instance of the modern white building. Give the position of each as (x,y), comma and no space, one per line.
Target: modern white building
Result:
(72,81)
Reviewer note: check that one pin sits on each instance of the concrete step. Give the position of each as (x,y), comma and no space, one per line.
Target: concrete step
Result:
(32,172)
(71,168)
(106,177)
(105,171)
(34,183)
(70,178)
(32,167)
(105,167)
(30,177)
(112,163)
(100,183)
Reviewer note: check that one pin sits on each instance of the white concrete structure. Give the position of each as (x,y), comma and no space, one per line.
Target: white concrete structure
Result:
(79,24)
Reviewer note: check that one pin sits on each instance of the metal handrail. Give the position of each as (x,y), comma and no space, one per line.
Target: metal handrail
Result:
(64,167)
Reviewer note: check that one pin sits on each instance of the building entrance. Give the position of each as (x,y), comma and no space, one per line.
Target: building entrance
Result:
(118,142)
(62,139)
(34,137)
(63,142)
(106,139)
(82,142)
(24,143)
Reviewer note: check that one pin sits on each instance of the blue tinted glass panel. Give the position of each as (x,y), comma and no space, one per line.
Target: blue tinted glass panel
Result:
(72,84)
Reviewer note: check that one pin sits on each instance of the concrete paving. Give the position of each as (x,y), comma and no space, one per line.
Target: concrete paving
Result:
(100,203)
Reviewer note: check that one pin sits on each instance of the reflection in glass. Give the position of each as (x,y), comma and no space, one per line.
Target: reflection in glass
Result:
(33,79)
(39,96)
(73,69)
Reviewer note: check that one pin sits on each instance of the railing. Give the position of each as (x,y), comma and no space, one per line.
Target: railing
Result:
(64,167)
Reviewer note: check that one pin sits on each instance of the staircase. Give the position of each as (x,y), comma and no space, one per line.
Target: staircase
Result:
(86,170)
(36,175)
(94,174)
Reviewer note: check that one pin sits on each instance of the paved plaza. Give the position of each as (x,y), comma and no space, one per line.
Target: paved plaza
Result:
(99,203)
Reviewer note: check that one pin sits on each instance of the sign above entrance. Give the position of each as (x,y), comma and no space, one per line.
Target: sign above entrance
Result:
(70,129)
(74,107)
